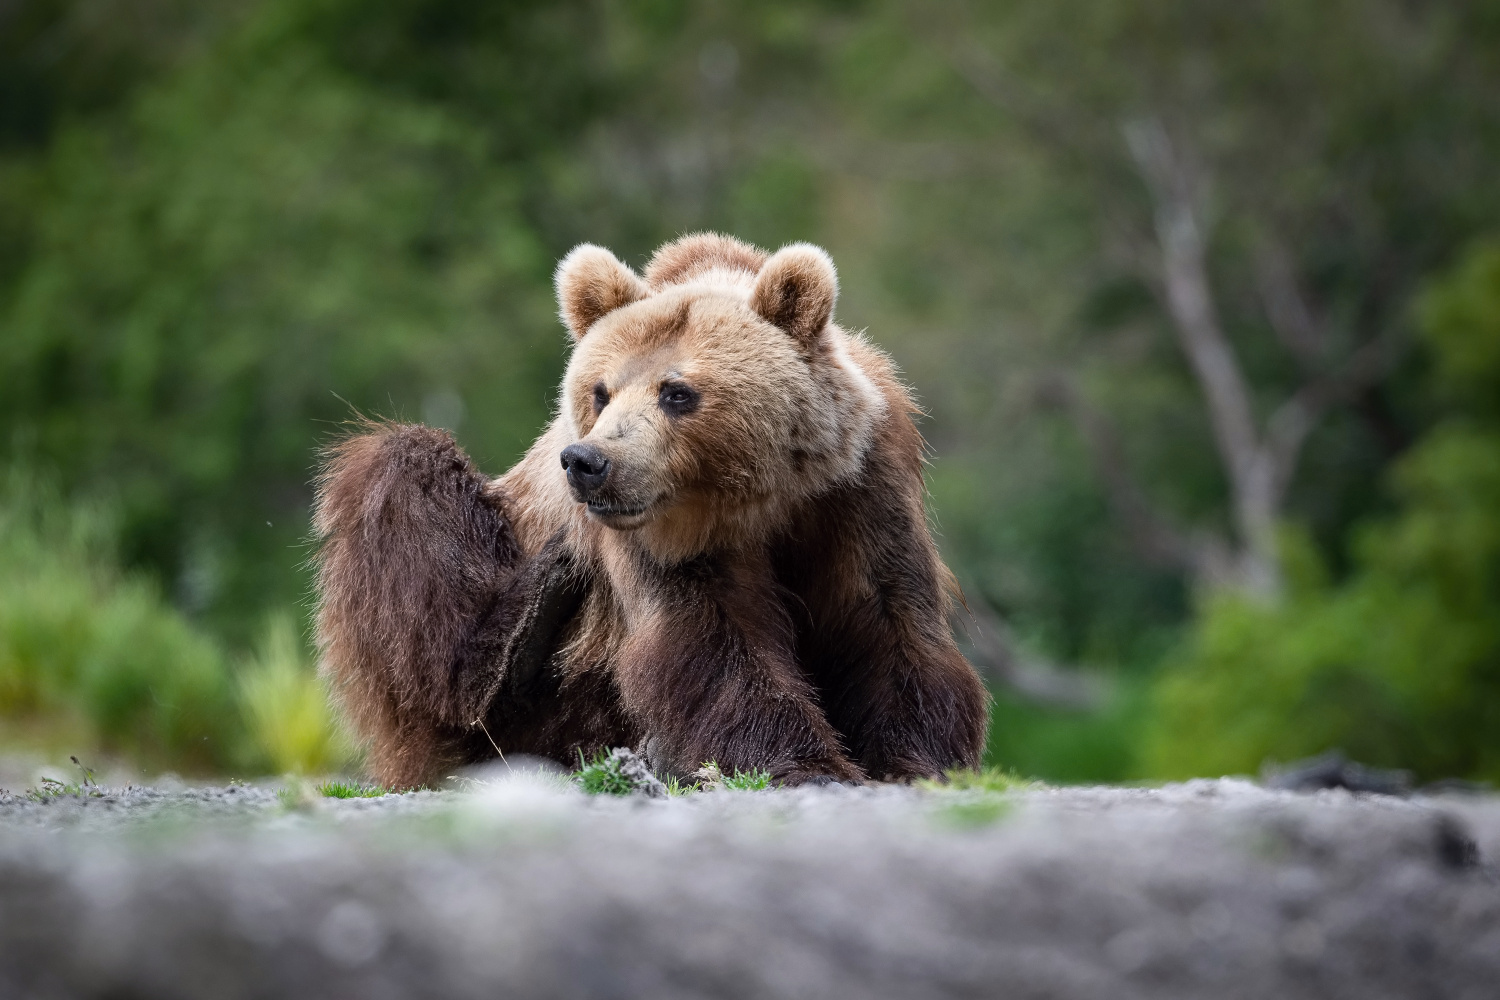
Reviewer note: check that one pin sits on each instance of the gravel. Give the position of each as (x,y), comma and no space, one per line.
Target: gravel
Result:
(524,887)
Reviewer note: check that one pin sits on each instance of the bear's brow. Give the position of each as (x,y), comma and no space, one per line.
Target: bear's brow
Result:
(643,367)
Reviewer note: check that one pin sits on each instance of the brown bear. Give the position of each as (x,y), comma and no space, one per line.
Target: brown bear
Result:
(717,551)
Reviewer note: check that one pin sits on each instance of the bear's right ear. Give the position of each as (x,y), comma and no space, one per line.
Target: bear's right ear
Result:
(591,283)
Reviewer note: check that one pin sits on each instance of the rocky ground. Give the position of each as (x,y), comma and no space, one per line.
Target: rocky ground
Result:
(525,887)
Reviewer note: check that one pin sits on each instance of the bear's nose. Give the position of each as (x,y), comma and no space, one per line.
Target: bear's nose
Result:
(586,467)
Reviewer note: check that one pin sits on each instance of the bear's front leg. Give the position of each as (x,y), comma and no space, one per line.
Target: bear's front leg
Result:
(428,611)
(709,672)
(872,610)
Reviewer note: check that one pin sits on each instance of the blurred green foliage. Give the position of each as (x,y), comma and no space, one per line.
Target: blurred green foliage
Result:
(91,659)
(1068,745)
(220,267)
(94,661)
(1399,664)
(226,228)
(286,707)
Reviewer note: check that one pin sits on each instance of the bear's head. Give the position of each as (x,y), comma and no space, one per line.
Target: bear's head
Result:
(708,395)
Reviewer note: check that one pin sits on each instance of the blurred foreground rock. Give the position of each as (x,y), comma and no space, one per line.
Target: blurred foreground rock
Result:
(525,888)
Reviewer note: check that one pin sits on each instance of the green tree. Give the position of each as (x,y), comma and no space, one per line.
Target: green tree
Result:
(1192,229)
(1400,664)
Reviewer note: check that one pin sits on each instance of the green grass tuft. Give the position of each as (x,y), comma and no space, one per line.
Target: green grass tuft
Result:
(351,790)
(290,796)
(50,788)
(601,775)
(748,781)
(709,778)
(980,798)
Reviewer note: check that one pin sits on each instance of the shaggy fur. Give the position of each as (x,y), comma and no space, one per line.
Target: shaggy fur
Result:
(737,568)
(679,262)
(428,610)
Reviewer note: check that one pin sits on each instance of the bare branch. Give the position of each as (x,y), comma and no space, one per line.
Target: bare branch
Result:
(1286,307)
(993,652)
(1259,463)
(1176,187)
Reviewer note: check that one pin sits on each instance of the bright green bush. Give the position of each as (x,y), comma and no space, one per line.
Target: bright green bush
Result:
(286,705)
(96,659)
(1063,744)
(93,660)
(1399,665)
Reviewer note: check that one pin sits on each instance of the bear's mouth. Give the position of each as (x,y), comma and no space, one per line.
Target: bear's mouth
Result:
(617,516)
(603,509)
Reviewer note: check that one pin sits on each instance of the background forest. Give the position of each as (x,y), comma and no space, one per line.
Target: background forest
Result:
(1202,301)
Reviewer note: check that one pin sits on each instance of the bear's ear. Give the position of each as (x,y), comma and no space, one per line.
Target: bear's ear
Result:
(796,290)
(591,282)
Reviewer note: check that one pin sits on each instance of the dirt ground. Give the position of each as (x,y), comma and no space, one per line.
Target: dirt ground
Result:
(522,887)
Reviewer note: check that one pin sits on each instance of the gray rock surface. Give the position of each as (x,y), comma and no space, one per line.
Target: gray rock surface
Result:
(525,888)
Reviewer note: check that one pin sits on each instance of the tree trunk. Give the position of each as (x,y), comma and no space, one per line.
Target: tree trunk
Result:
(1256,470)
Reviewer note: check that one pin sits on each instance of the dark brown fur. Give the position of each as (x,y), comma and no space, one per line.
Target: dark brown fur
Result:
(734,693)
(430,619)
(872,622)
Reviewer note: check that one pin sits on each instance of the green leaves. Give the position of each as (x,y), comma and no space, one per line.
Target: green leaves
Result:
(286,706)
(92,659)
(1399,665)
(222,276)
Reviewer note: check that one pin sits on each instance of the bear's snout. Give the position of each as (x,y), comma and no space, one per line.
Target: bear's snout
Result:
(587,469)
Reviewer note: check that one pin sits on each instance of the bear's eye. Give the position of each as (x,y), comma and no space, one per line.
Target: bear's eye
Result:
(601,398)
(678,399)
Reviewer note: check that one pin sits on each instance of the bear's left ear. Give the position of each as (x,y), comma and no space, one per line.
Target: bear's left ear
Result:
(796,290)
(591,283)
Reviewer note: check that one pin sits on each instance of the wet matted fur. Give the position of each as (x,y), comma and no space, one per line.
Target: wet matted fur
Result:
(744,575)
